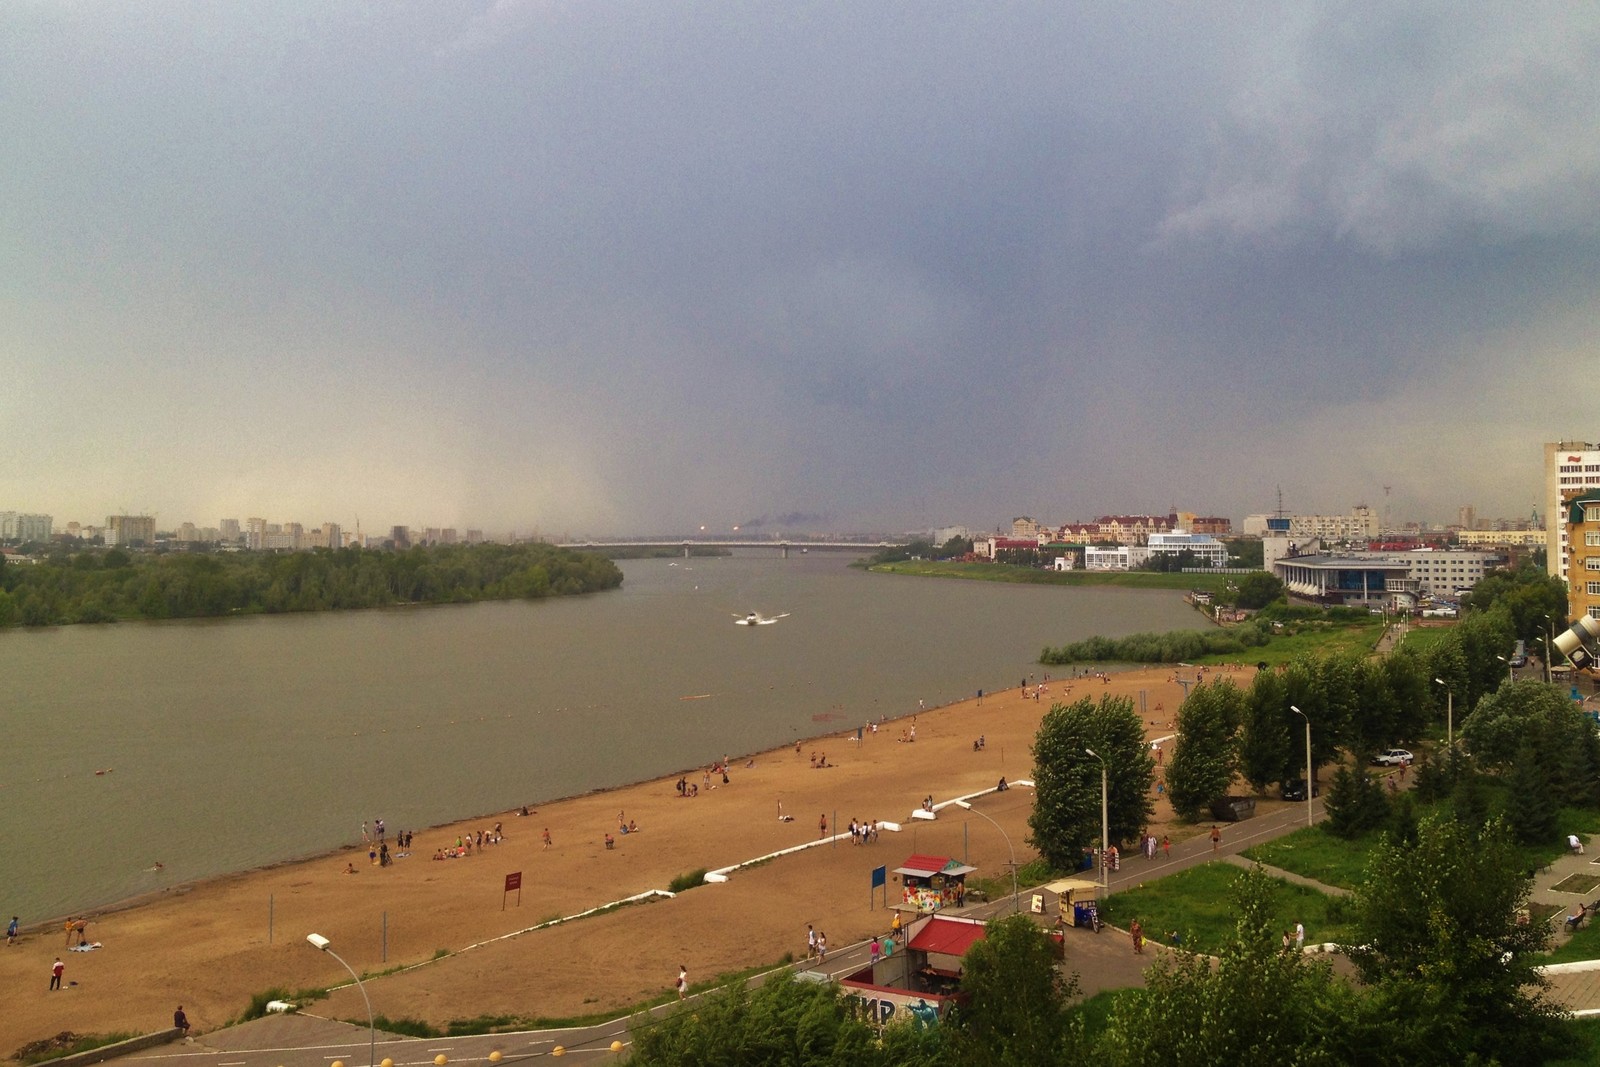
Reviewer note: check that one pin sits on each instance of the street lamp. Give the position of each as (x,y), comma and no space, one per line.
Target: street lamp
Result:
(1105,822)
(1449,715)
(1307,718)
(1550,641)
(1016,900)
(1511,674)
(322,945)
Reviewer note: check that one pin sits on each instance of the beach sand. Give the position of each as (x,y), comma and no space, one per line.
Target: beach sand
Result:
(207,945)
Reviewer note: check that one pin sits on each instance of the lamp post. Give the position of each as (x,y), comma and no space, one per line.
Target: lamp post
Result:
(1549,646)
(1511,674)
(1449,715)
(1105,822)
(1016,900)
(322,944)
(1307,718)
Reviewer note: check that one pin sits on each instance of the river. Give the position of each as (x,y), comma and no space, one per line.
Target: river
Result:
(210,746)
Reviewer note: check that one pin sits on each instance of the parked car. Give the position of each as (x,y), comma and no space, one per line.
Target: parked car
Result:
(1391,758)
(1295,789)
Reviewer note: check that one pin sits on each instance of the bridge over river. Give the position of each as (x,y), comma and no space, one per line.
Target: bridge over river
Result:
(689,544)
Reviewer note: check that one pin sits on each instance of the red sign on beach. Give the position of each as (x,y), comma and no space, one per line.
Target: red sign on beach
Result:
(513,881)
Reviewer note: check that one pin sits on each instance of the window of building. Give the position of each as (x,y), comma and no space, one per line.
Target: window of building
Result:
(1592,588)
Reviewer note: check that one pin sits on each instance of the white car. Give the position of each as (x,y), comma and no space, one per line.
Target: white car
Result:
(1393,757)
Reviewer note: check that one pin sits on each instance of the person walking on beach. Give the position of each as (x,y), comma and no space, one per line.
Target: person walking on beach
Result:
(811,941)
(822,826)
(547,837)
(11,932)
(822,947)
(56,972)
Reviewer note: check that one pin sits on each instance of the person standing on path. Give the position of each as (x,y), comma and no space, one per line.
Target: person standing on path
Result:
(56,973)
(1216,838)
(811,941)
(1136,932)
(822,826)
(683,981)
(1166,846)
(876,950)
(822,947)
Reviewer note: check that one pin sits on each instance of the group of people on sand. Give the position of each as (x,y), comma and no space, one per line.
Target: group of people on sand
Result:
(863,833)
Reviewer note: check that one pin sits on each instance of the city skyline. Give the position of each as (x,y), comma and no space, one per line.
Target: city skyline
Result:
(526,265)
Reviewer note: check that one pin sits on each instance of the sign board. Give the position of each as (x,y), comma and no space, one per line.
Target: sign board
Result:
(513,882)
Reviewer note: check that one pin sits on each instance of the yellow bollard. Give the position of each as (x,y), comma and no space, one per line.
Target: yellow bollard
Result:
(440,1060)
(616,1046)
(387,1062)
(494,1057)
(558,1051)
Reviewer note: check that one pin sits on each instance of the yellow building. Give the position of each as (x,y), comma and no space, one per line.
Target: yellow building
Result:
(1583,555)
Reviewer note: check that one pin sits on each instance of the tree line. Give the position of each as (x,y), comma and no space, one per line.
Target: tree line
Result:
(95,585)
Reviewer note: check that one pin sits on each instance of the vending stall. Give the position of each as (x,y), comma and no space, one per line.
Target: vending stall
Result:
(931,883)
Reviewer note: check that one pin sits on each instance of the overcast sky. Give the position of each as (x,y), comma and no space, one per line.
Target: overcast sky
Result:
(586,267)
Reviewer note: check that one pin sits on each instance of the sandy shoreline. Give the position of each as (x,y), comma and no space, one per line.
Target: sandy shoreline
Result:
(209,945)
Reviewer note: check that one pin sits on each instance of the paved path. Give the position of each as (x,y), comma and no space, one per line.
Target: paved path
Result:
(1290,876)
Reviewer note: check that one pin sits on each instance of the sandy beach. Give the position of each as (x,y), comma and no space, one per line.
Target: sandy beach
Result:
(207,945)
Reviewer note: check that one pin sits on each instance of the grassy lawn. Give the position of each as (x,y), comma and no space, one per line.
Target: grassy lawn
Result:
(1315,853)
(1198,904)
(1005,572)
(1320,640)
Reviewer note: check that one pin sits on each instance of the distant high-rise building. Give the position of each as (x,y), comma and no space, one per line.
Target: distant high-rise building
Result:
(296,535)
(34,527)
(186,533)
(8,525)
(130,529)
(1571,468)
(474,537)
(255,533)
(1467,517)
(330,536)
(401,536)
(447,536)
(230,529)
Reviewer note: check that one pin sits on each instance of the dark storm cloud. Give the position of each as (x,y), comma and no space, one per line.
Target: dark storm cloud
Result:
(577,266)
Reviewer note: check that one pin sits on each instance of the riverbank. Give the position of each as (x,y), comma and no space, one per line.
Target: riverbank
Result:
(213,944)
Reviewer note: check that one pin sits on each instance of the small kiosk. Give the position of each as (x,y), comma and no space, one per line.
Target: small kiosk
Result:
(921,981)
(929,883)
(1077,901)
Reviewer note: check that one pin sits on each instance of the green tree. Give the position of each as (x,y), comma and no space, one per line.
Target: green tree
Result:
(1203,756)
(1257,1006)
(781,1021)
(1257,590)
(1266,747)
(1017,1012)
(1066,798)
(1451,968)
(1356,803)
(1530,713)
(1532,813)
